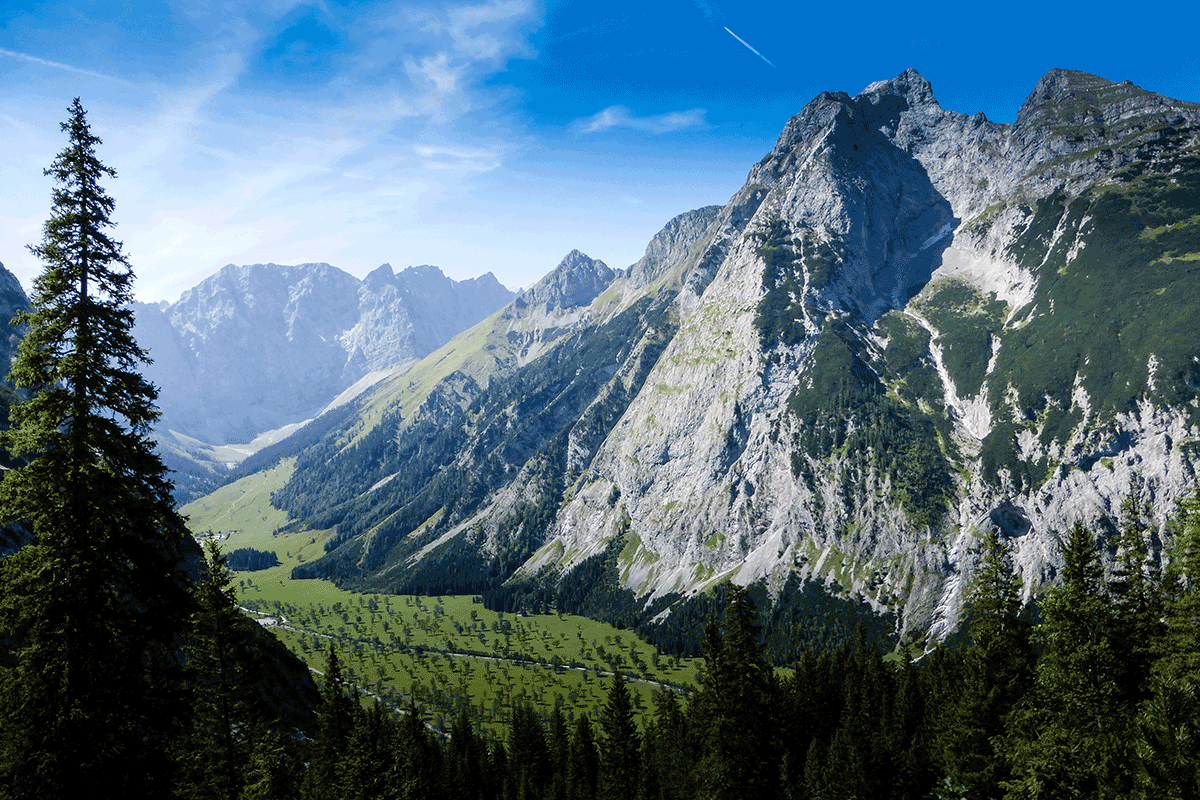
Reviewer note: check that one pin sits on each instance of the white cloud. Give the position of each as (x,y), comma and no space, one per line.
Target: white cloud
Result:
(458,158)
(485,32)
(622,117)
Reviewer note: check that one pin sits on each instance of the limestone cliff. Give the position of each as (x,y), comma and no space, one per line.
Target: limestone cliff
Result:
(909,325)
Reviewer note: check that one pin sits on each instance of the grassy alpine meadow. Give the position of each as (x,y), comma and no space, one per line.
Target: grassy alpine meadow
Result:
(448,654)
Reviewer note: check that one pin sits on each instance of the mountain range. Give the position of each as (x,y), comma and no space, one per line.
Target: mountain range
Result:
(253,351)
(909,326)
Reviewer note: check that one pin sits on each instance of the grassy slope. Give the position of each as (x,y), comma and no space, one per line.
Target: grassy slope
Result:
(448,653)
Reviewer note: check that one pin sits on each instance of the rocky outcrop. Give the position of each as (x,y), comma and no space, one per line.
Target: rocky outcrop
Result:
(672,246)
(576,281)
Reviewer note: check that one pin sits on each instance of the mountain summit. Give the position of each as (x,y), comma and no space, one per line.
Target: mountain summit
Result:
(909,325)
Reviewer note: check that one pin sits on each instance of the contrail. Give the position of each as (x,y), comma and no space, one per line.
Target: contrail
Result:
(58,65)
(752,50)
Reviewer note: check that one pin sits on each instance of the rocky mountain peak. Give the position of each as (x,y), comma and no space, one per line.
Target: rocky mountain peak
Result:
(576,281)
(909,325)
(671,245)
(1070,91)
(12,301)
(1082,125)
(909,88)
(381,276)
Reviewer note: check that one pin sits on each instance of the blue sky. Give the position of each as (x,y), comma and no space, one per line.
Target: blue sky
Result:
(483,136)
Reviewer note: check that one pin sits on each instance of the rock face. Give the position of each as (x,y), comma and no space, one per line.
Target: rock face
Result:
(254,348)
(12,302)
(908,326)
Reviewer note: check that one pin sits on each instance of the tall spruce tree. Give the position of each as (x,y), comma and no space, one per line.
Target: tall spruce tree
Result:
(217,749)
(1071,736)
(734,711)
(996,672)
(92,604)
(620,749)
(1169,719)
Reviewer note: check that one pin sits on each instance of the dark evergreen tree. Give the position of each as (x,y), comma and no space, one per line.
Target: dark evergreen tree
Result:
(1168,741)
(217,748)
(275,769)
(466,760)
(734,712)
(1073,736)
(668,752)
(810,704)
(997,671)
(620,749)
(529,762)
(419,769)
(1178,648)
(559,737)
(584,772)
(1168,723)
(1137,596)
(368,768)
(95,602)
(335,724)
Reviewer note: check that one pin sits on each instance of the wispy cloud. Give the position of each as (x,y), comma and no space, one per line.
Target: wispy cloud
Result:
(457,158)
(622,117)
(710,13)
(58,65)
(484,31)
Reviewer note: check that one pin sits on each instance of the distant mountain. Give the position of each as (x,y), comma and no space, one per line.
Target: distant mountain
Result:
(910,325)
(12,302)
(257,347)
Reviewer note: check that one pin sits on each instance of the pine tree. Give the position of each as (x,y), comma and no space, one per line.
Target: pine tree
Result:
(997,671)
(584,770)
(620,749)
(466,760)
(734,712)
(334,726)
(1169,718)
(1178,649)
(559,736)
(275,769)
(668,753)
(217,750)
(1072,736)
(1136,590)
(528,758)
(94,602)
